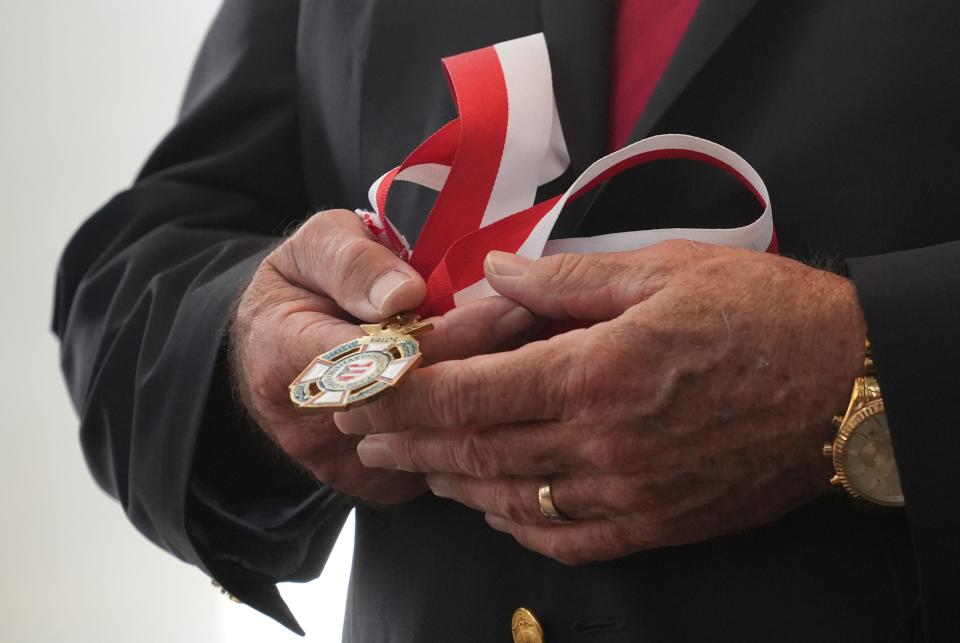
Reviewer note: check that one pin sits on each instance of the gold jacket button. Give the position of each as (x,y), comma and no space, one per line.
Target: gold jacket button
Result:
(526,628)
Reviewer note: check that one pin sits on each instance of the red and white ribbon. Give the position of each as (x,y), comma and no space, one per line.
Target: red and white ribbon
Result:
(487,164)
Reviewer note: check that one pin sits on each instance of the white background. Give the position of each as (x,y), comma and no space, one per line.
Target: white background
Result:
(87,87)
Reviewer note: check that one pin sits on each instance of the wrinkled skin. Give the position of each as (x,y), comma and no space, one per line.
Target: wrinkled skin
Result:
(305,298)
(697,405)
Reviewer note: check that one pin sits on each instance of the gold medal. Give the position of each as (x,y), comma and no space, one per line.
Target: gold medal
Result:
(359,370)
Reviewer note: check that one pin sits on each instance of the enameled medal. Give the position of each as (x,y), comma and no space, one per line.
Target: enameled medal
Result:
(358,371)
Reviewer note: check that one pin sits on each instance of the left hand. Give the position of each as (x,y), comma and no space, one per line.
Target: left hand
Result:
(695,407)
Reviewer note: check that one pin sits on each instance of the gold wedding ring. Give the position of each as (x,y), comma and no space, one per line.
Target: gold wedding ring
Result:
(547,507)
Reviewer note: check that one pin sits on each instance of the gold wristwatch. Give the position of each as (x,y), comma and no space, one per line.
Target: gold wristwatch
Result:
(862,452)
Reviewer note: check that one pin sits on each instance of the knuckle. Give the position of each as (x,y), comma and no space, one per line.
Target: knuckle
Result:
(451,406)
(606,454)
(330,243)
(557,271)
(278,259)
(670,246)
(506,503)
(653,534)
(565,283)
(329,471)
(609,351)
(676,247)
(565,383)
(469,456)
(567,551)
(620,536)
(670,252)
(353,259)
(325,223)
(258,293)
(262,386)
(333,214)
(408,457)
(290,258)
(580,386)
(386,414)
(638,498)
(598,374)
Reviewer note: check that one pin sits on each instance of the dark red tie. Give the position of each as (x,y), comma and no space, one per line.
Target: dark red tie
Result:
(648,32)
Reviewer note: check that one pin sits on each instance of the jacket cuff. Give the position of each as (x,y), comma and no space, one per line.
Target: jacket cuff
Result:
(253,516)
(911,303)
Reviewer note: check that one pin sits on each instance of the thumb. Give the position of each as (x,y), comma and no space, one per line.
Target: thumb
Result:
(592,287)
(333,255)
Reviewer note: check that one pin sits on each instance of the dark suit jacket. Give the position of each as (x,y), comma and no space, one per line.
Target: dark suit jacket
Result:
(849,110)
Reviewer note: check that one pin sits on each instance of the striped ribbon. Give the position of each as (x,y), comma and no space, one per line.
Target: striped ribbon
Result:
(487,164)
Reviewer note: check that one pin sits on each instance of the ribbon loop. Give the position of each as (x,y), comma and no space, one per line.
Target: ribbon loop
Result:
(488,163)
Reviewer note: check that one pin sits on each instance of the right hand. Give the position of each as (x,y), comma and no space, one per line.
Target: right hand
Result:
(304,299)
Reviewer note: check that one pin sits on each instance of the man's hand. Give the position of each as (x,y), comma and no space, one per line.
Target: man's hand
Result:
(696,406)
(304,299)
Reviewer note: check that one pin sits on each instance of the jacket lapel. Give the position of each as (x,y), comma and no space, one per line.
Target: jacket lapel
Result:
(578,35)
(712,23)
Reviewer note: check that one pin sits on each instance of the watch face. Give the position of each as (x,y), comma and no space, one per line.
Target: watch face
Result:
(868,460)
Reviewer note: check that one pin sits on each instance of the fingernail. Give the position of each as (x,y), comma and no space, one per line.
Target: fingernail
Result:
(375,454)
(439,485)
(505,264)
(499,523)
(384,288)
(512,323)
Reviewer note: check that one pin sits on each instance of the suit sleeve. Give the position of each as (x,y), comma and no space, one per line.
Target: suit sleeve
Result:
(144,294)
(911,301)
